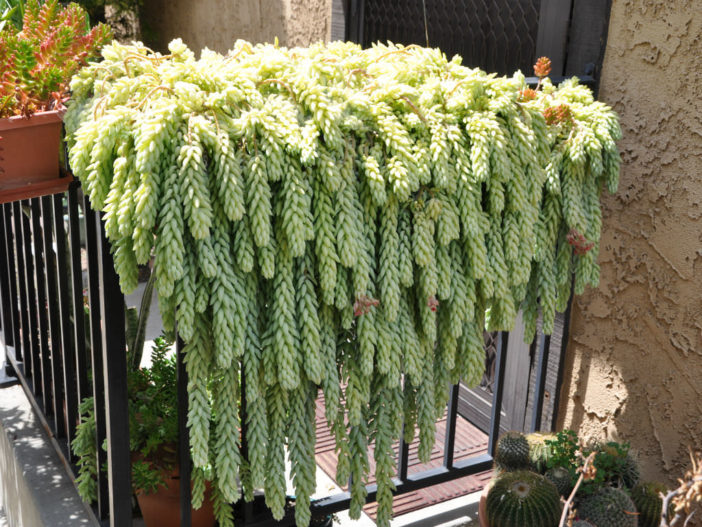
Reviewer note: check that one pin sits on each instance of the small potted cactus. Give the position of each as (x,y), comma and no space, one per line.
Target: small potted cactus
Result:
(36,65)
(522,499)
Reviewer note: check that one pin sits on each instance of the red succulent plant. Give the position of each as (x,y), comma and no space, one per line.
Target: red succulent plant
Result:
(37,63)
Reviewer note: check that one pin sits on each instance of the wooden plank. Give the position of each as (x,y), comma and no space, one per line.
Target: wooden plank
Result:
(554,18)
(338,20)
(587,37)
(516,378)
(551,375)
(475,404)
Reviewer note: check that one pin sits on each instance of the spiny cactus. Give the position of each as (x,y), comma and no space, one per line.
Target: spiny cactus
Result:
(561,478)
(523,499)
(539,451)
(629,472)
(512,452)
(648,501)
(609,507)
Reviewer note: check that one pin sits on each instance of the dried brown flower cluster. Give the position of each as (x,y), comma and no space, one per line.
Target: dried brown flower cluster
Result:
(542,67)
(580,244)
(687,498)
(560,114)
(527,94)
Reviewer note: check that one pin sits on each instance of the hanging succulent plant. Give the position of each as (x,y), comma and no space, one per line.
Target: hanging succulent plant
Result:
(331,216)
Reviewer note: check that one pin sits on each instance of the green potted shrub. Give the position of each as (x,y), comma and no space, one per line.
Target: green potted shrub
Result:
(153,438)
(36,65)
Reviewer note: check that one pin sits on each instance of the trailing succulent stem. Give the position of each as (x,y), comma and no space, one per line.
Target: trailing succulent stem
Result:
(327,227)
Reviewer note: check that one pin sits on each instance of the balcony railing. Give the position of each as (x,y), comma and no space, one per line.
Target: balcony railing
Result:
(63,322)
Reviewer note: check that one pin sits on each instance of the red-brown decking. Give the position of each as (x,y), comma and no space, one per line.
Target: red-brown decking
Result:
(469,442)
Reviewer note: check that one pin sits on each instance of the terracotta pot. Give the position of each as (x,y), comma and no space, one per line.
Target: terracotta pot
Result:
(482,508)
(29,156)
(162,508)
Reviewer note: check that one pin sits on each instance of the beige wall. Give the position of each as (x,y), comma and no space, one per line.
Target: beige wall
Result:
(635,351)
(217,24)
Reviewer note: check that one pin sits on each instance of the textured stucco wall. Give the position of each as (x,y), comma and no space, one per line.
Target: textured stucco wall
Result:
(217,24)
(635,351)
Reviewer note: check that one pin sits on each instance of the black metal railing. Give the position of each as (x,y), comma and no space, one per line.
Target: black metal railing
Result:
(56,266)
(57,359)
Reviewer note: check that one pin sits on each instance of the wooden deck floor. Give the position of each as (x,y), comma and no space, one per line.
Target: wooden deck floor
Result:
(470,442)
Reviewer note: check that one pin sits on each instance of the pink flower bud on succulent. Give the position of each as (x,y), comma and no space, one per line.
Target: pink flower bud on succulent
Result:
(433,303)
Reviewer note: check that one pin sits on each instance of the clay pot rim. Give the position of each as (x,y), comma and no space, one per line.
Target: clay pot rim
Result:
(36,119)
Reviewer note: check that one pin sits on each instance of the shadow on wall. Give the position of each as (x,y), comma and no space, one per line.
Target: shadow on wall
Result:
(624,377)
(641,329)
(215,24)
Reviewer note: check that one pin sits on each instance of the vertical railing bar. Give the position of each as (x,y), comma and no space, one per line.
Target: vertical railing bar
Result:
(561,363)
(22,290)
(12,277)
(503,342)
(32,327)
(540,384)
(76,270)
(114,373)
(5,277)
(96,354)
(450,438)
(6,300)
(183,437)
(402,457)
(47,214)
(64,301)
(43,324)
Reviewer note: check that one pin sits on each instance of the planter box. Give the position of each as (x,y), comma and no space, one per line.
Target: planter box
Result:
(29,157)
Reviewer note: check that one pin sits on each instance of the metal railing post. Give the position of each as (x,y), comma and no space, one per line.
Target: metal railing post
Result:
(114,373)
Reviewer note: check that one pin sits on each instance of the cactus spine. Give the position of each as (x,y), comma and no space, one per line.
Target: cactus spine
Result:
(561,478)
(539,451)
(648,501)
(512,452)
(523,499)
(609,507)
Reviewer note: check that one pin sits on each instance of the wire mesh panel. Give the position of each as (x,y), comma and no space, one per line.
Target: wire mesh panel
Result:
(495,35)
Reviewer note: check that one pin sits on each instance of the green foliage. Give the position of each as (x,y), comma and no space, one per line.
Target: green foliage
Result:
(512,452)
(135,326)
(563,450)
(649,503)
(615,466)
(11,12)
(84,447)
(37,62)
(608,507)
(335,216)
(523,499)
(153,426)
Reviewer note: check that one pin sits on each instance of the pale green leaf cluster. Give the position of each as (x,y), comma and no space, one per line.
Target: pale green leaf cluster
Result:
(330,216)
